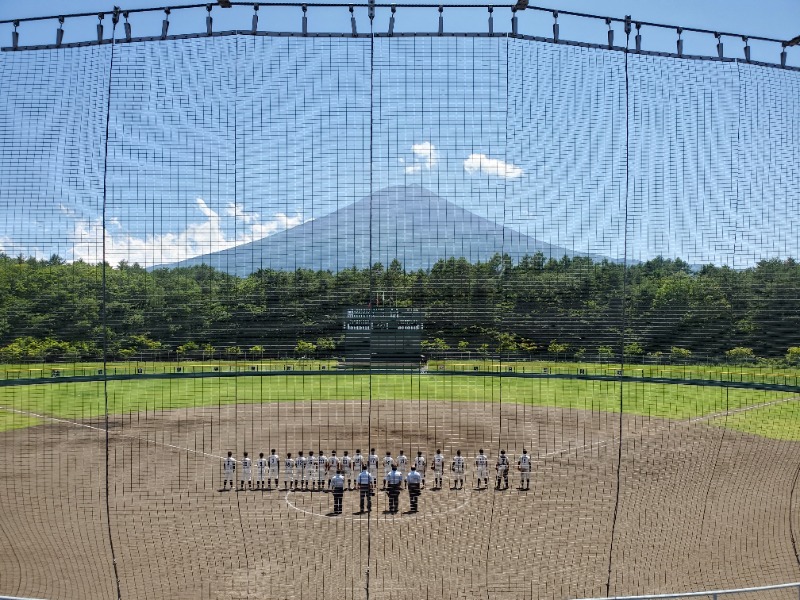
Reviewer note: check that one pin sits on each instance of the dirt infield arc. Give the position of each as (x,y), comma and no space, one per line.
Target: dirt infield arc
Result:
(700,507)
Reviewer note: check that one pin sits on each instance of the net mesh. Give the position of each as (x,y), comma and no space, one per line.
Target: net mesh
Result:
(488,244)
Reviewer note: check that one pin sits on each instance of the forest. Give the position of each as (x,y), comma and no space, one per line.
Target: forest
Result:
(571,308)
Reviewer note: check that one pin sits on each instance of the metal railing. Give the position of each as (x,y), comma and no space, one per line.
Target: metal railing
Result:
(713,594)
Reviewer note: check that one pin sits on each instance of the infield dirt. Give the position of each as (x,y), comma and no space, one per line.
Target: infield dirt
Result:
(699,507)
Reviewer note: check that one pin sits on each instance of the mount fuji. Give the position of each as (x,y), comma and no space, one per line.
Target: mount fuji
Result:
(409,223)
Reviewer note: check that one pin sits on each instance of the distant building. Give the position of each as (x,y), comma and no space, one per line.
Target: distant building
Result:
(383,336)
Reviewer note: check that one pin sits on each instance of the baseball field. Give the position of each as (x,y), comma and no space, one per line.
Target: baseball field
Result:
(701,480)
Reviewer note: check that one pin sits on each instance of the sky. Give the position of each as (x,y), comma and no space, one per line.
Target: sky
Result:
(207,153)
(779,19)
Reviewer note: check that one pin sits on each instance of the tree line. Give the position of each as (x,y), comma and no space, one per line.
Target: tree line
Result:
(571,308)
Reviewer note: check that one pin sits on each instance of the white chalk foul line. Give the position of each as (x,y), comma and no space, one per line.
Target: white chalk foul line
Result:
(661,427)
(110,432)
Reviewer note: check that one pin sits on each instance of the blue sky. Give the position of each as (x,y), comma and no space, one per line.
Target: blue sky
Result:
(207,153)
(778,19)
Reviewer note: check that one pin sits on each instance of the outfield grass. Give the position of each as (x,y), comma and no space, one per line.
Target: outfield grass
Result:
(86,400)
(725,373)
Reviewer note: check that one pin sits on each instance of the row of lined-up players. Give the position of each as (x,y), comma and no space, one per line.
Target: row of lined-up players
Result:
(314,472)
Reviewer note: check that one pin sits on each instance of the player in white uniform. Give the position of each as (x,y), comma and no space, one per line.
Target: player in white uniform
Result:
(347,469)
(333,468)
(228,471)
(420,463)
(402,466)
(312,468)
(458,468)
(247,472)
(502,470)
(261,471)
(358,462)
(323,467)
(438,469)
(288,472)
(372,464)
(388,461)
(482,469)
(274,462)
(524,466)
(299,471)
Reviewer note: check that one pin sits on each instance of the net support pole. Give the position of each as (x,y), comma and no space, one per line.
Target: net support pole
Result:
(165,24)
(555,26)
(254,24)
(491,20)
(60,31)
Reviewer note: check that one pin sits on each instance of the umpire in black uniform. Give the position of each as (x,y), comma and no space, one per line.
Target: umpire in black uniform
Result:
(394,481)
(337,487)
(414,481)
(365,483)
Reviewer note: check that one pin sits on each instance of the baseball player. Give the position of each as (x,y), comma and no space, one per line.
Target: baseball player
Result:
(228,470)
(274,463)
(438,469)
(414,481)
(524,466)
(288,472)
(372,463)
(347,469)
(323,468)
(502,470)
(458,468)
(337,487)
(365,483)
(299,471)
(358,462)
(312,466)
(388,463)
(393,482)
(261,471)
(247,472)
(420,463)
(402,466)
(482,468)
(333,468)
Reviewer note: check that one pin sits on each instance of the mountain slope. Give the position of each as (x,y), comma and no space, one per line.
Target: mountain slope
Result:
(408,223)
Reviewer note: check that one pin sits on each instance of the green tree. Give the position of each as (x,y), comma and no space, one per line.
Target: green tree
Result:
(679,354)
(633,350)
(557,348)
(605,352)
(326,345)
(304,348)
(793,355)
(740,354)
(506,342)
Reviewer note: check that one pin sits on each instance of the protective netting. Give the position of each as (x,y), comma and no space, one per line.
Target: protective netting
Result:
(331,244)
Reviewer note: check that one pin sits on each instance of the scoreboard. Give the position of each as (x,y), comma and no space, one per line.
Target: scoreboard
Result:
(383,336)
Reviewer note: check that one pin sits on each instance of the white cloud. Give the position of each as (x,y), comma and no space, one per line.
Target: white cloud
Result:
(491,166)
(425,157)
(198,238)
